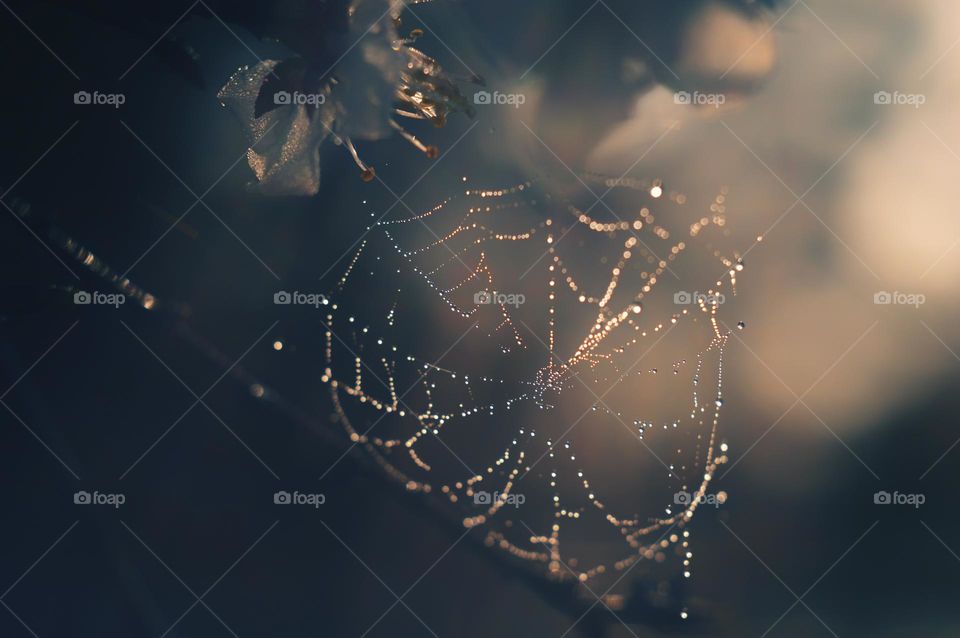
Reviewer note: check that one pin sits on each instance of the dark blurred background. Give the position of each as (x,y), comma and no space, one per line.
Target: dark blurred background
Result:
(87,397)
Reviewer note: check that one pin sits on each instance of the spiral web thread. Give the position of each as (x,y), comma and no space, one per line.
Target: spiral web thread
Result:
(457,267)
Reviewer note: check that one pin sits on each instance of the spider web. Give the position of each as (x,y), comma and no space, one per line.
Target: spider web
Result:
(548,363)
